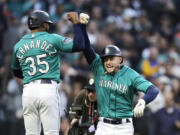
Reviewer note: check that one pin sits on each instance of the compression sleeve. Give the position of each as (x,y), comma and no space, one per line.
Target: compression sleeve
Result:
(78,41)
(88,51)
(18,73)
(151,94)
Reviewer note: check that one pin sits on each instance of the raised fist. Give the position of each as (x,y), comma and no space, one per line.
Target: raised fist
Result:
(73,17)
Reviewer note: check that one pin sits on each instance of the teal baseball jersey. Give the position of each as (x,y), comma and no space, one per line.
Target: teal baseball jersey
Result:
(38,55)
(115,92)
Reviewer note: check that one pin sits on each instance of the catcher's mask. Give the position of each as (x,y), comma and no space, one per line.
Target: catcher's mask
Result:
(37,18)
(111,50)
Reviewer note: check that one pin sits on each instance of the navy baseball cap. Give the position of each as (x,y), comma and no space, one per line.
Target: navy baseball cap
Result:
(90,86)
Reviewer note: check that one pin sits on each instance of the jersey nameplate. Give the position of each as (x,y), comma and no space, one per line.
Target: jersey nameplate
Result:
(38,44)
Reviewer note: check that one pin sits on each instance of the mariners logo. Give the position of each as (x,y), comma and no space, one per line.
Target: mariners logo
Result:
(91,81)
(67,40)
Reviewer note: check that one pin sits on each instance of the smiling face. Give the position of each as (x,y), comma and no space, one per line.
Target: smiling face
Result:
(112,64)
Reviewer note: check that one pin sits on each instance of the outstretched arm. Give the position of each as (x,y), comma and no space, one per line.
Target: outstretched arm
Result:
(88,51)
(78,40)
(87,48)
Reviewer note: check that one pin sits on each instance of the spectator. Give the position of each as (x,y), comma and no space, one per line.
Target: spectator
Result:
(167,119)
(150,65)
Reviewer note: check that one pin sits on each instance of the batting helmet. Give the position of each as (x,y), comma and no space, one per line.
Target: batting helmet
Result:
(111,50)
(37,18)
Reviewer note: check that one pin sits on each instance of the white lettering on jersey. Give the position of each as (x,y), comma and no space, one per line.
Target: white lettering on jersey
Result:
(26,47)
(109,84)
(32,44)
(100,83)
(105,83)
(46,49)
(125,89)
(38,43)
(113,85)
(21,50)
(19,57)
(43,45)
(120,86)
(116,86)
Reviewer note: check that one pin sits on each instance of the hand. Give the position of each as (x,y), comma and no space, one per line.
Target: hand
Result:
(74,120)
(84,18)
(177,124)
(139,108)
(73,17)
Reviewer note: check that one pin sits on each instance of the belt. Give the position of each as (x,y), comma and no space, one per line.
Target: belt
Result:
(116,121)
(46,81)
(42,81)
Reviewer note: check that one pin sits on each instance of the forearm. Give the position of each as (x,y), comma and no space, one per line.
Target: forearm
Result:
(151,94)
(78,41)
(88,51)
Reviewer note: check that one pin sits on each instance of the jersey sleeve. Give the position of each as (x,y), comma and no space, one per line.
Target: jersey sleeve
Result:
(15,63)
(140,83)
(64,44)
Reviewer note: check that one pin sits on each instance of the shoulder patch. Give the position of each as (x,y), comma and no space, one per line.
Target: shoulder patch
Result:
(67,40)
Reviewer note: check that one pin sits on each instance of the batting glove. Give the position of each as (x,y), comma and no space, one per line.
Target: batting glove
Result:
(139,108)
(84,18)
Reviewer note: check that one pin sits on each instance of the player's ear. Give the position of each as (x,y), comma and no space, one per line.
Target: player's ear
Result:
(45,26)
(121,60)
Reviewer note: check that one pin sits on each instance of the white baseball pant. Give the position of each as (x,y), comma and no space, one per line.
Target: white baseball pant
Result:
(41,104)
(115,129)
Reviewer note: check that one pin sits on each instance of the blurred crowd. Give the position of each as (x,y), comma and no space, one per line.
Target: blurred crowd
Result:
(147,32)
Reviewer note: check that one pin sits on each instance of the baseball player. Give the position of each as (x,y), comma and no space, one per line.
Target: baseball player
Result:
(116,85)
(36,60)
